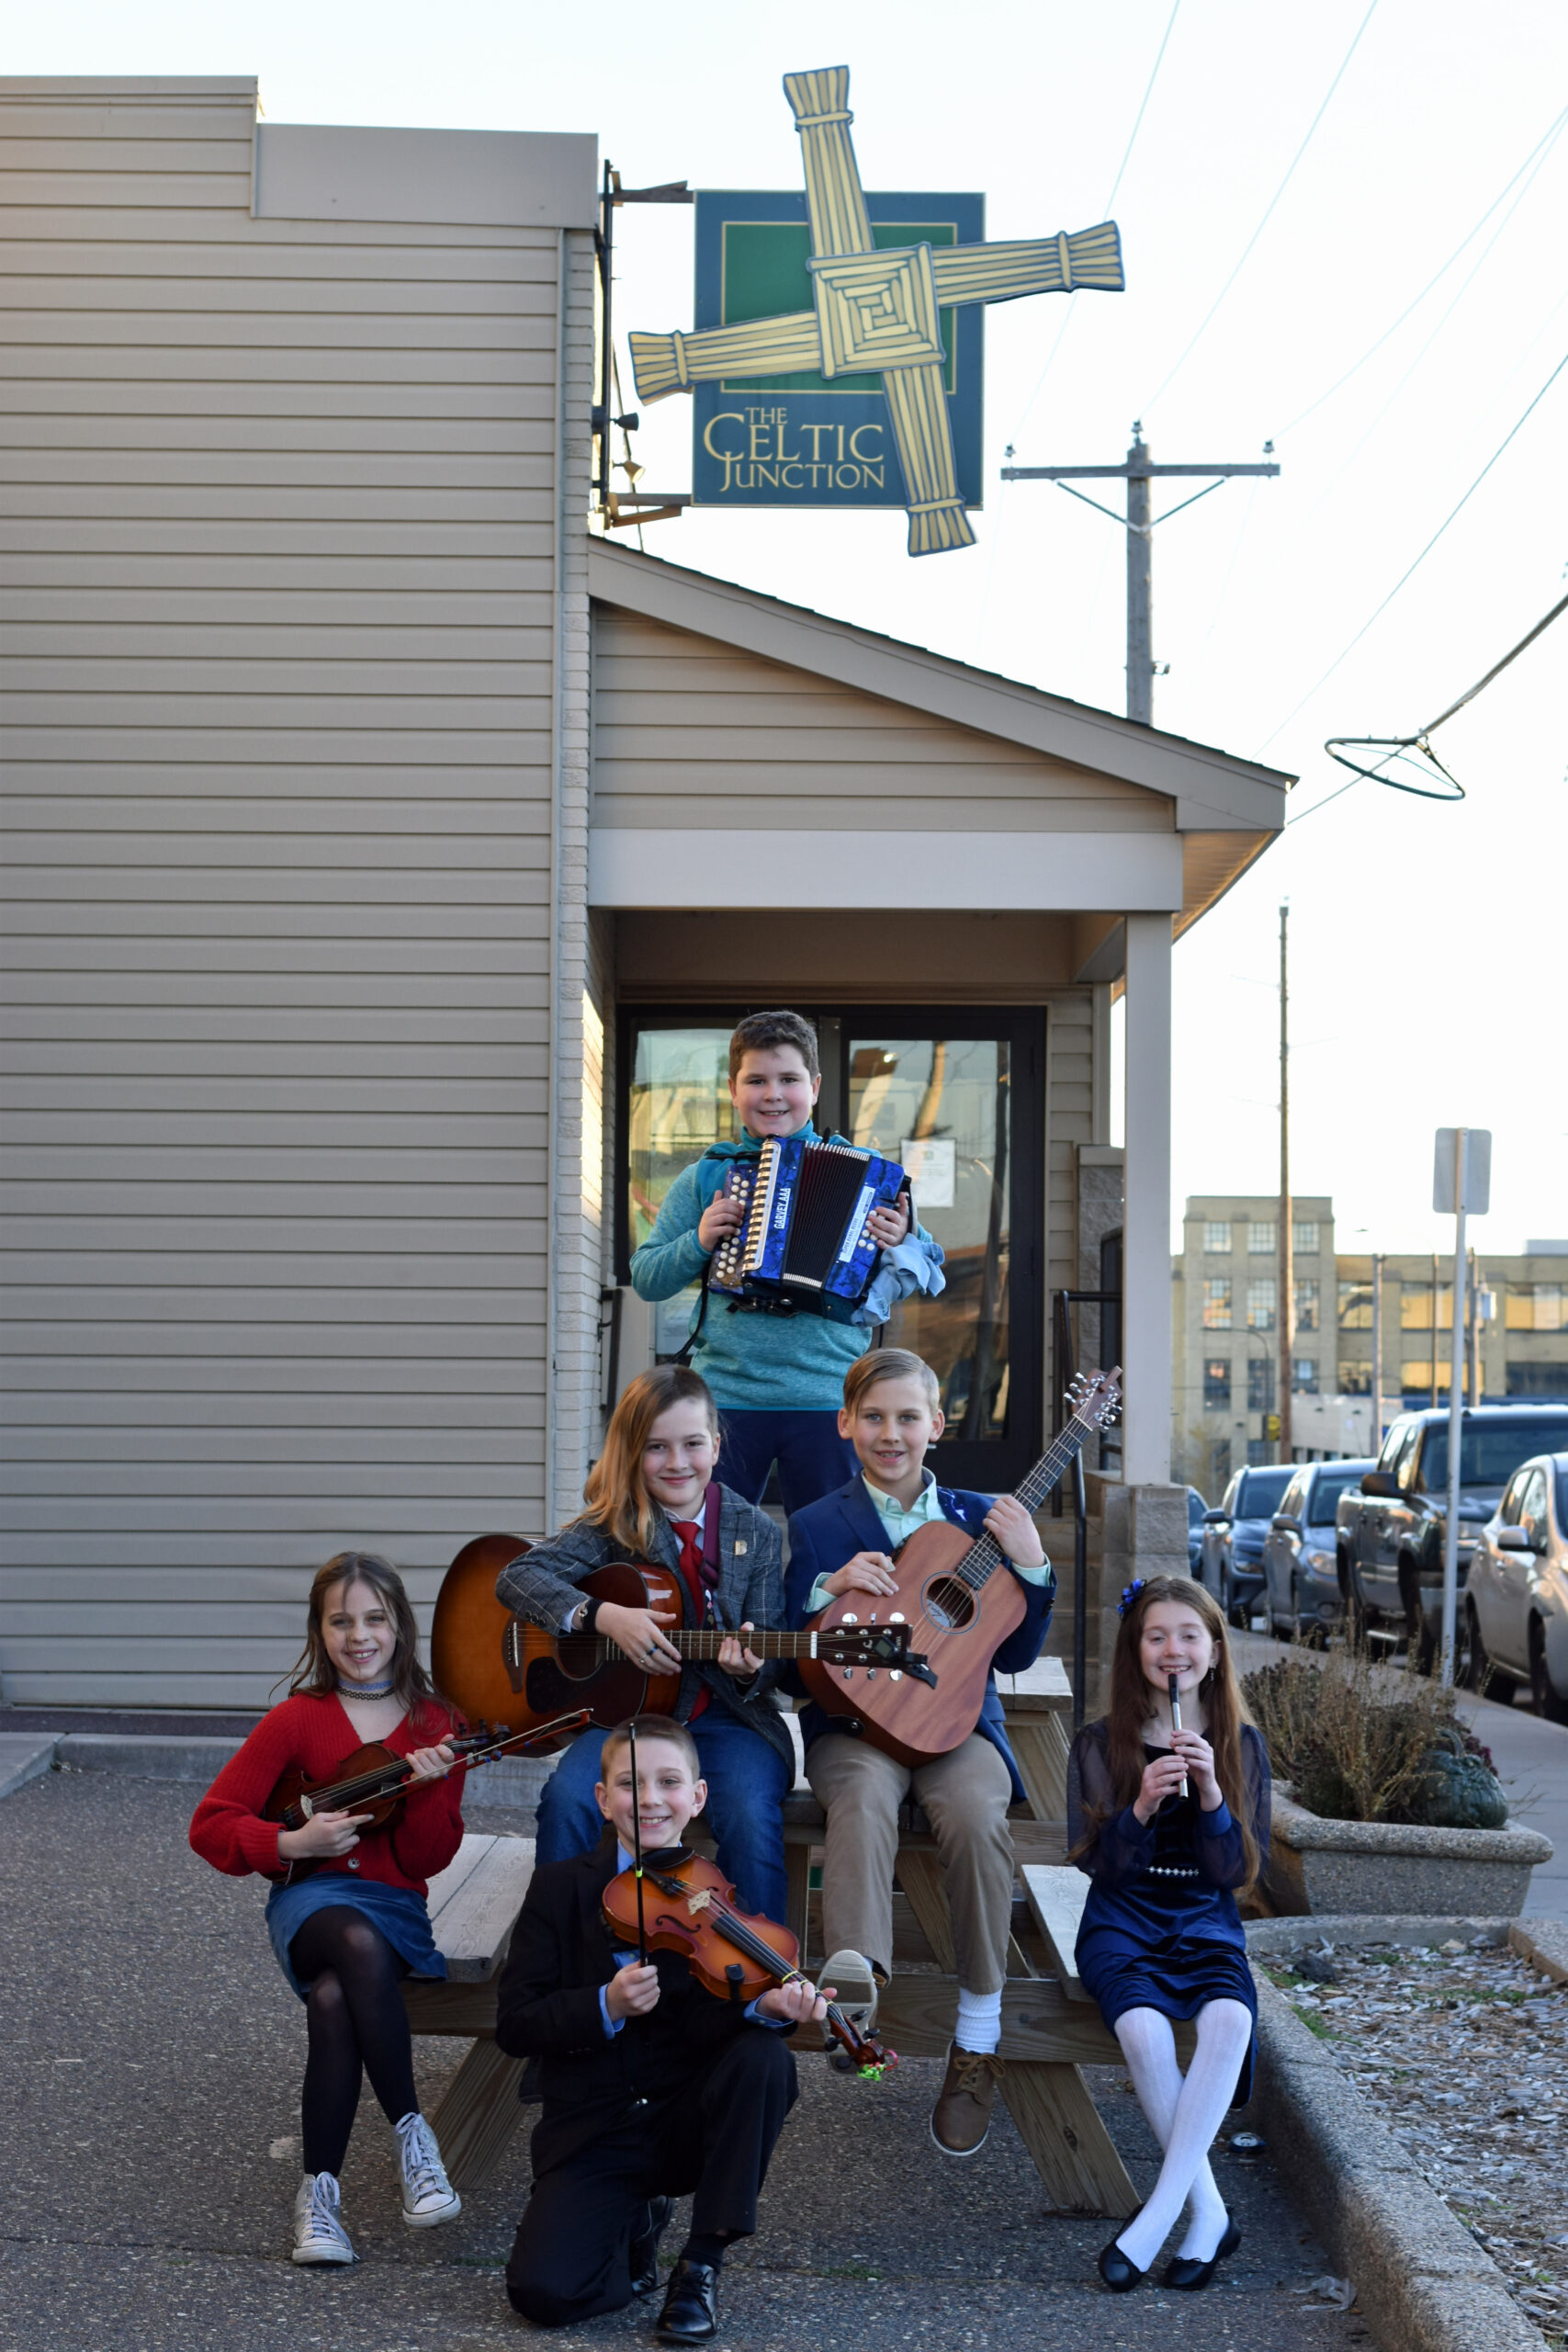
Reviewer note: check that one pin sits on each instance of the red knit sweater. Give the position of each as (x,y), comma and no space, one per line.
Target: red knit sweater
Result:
(315,1736)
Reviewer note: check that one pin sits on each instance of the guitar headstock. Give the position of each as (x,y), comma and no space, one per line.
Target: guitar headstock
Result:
(1096,1398)
(847,1644)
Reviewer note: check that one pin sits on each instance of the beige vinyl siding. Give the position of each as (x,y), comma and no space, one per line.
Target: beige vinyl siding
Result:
(689,733)
(278,575)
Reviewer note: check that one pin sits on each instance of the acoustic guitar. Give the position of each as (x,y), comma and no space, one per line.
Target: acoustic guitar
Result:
(498,1668)
(955,1607)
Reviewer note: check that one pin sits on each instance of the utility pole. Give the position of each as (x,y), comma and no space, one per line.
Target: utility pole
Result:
(1139,524)
(1376,1446)
(1287,1238)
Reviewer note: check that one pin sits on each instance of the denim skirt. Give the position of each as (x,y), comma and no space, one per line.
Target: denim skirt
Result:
(397,1911)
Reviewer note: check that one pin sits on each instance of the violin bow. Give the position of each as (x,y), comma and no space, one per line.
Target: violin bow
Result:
(637,1844)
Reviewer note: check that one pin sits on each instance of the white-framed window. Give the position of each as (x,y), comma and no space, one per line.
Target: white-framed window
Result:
(1217,1238)
(1306,1304)
(1262,1238)
(1262,1303)
(1304,1238)
(1303,1376)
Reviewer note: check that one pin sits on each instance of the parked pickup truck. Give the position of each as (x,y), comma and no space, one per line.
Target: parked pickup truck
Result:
(1389,1530)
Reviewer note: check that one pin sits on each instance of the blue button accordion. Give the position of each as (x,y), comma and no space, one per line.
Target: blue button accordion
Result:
(803,1246)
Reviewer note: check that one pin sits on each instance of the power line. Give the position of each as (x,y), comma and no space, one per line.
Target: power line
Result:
(1268,211)
(1540,149)
(1105,211)
(1409,572)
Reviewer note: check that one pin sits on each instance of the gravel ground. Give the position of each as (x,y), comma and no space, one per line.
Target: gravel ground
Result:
(1464,2051)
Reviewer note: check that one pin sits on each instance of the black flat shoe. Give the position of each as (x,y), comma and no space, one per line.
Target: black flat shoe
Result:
(691,2307)
(642,2256)
(1120,2273)
(1191,2278)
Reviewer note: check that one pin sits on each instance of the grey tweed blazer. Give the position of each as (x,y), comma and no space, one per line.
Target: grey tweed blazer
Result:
(542,1586)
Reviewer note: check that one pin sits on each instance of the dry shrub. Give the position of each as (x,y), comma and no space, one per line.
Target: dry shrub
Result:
(1355,1739)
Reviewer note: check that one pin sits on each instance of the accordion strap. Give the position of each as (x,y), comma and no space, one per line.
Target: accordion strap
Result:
(684,1355)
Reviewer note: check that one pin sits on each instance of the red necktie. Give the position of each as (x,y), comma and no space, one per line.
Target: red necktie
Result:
(690,1532)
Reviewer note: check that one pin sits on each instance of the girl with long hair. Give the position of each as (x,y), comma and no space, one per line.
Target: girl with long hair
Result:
(652,1497)
(1169,1826)
(347,1914)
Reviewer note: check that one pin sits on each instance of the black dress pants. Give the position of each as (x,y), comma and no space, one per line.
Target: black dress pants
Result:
(570,2259)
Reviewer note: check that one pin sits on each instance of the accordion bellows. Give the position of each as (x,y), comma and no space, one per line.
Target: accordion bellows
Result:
(803,1244)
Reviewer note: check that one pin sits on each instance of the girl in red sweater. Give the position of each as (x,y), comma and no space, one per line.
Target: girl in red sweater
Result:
(347,1914)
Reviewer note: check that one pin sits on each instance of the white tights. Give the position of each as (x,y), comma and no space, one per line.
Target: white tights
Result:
(1185,2112)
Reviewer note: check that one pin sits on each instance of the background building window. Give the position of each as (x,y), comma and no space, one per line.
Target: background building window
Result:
(1537,1379)
(1306,1305)
(1415,1378)
(1305,1237)
(1355,1379)
(1217,1304)
(1217,1238)
(1303,1376)
(1259,1383)
(1262,1240)
(1260,1450)
(1416,1308)
(1217,1385)
(1537,1307)
(1355,1306)
(1262,1300)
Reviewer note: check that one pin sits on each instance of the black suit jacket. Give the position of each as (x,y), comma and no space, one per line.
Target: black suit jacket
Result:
(547,2008)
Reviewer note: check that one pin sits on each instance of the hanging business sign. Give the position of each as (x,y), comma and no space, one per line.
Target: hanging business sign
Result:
(867,391)
(802,438)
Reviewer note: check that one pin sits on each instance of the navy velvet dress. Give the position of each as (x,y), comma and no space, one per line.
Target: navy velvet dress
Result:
(1160,1928)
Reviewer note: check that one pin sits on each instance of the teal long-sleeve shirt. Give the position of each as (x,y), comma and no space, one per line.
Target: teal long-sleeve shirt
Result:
(753,1363)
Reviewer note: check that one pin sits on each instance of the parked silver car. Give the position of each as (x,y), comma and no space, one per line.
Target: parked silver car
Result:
(1516,1597)
(1301,1571)
(1231,1565)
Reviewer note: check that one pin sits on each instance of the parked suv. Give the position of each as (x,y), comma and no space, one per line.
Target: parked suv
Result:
(1389,1531)
(1232,1536)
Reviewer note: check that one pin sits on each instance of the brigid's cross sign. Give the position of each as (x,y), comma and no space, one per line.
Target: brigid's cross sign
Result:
(877,312)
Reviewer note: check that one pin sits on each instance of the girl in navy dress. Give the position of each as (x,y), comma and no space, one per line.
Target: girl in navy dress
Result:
(346,1913)
(1160,1936)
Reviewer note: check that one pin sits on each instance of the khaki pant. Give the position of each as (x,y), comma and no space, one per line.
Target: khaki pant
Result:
(964,1796)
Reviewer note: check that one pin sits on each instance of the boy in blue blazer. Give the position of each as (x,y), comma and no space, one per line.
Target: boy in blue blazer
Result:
(892,1415)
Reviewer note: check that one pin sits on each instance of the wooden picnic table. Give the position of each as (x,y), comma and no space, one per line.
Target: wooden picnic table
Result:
(1050,2028)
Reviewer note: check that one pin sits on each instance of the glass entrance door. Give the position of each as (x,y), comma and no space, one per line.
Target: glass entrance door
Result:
(957,1097)
(954,1097)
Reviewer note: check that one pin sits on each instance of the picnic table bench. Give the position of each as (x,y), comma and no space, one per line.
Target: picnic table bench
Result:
(1051,2029)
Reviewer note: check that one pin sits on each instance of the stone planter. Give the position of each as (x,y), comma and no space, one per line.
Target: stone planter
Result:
(1385,1866)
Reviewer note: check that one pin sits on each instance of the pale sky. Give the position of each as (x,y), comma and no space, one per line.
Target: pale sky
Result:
(1429,966)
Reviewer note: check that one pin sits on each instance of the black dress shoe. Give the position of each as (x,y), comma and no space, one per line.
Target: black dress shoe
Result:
(691,2307)
(642,2256)
(1189,2277)
(1119,2271)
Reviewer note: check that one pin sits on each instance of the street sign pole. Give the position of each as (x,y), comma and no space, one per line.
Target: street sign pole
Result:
(1462,1180)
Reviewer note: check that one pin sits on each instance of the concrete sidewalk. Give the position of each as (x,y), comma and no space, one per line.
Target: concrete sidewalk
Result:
(150,2116)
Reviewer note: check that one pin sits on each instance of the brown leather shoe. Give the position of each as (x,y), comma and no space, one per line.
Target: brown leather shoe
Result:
(962,2116)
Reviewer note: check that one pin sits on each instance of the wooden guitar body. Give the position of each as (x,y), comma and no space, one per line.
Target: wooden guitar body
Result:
(499,1670)
(915,1716)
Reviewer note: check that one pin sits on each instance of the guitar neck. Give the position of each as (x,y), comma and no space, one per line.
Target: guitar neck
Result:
(988,1555)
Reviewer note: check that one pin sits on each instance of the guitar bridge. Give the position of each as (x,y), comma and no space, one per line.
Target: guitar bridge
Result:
(512,1654)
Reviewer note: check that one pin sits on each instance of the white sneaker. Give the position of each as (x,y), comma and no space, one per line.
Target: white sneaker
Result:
(428,2196)
(855,1985)
(319,2234)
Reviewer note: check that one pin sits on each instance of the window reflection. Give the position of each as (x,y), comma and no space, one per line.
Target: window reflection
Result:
(943,1108)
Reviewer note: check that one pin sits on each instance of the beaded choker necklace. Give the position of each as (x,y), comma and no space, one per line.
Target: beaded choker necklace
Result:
(364,1690)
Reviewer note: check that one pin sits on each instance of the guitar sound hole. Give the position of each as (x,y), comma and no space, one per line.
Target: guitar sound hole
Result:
(578,1656)
(949,1603)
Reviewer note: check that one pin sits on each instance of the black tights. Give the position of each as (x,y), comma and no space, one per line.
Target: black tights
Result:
(357,2022)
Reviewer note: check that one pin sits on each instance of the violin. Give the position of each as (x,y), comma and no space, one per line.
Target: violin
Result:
(374,1782)
(688,1906)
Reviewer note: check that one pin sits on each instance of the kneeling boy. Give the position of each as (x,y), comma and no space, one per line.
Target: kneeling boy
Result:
(652,2088)
(842,1544)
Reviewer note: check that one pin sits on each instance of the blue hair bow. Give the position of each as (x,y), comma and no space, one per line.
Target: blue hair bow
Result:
(1129,1594)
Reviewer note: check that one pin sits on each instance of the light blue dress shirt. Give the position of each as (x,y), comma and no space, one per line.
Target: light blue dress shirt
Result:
(899,1524)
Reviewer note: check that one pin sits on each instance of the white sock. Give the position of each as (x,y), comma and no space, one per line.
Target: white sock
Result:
(980,2026)
(1185,2113)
